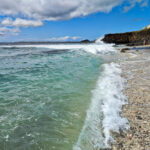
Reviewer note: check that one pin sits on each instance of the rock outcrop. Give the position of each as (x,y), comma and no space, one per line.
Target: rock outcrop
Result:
(141,37)
(86,41)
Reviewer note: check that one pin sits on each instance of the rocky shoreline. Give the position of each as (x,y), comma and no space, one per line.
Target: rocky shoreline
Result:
(141,37)
(136,69)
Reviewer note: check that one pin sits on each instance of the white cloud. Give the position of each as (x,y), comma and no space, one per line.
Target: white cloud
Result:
(65,38)
(61,9)
(132,3)
(18,22)
(55,9)
(11,27)
(4,31)
(145,3)
(36,11)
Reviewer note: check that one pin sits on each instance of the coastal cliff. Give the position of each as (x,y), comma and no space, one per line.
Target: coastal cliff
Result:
(141,37)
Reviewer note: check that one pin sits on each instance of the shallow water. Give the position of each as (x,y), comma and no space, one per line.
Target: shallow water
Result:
(45,93)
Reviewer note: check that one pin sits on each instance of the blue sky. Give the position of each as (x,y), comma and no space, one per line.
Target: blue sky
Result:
(120,16)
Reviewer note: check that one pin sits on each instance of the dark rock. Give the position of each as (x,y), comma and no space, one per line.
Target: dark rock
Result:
(123,50)
(86,41)
(141,37)
(139,117)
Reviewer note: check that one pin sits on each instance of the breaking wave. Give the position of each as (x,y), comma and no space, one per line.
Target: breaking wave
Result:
(103,115)
(95,48)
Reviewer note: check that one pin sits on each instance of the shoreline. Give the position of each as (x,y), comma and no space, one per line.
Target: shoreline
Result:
(136,69)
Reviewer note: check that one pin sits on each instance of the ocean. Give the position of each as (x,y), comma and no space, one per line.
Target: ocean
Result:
(60,96)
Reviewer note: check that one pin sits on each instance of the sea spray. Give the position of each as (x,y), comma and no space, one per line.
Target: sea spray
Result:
(103,114)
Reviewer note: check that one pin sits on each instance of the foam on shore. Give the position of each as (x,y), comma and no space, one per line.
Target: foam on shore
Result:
(103,115)
(111,87)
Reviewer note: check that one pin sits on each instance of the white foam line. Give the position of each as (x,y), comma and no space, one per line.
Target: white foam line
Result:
(91,48)
(112,86)
(103,114)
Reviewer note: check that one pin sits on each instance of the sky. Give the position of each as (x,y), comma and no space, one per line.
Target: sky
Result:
(68,20)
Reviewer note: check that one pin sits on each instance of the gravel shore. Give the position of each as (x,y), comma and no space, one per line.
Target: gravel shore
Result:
(136,69)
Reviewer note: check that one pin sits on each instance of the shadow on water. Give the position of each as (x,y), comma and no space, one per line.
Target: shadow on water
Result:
(49,52)
(56,51)
(141,48)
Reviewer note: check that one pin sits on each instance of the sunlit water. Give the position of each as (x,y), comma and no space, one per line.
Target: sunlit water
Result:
(47,94)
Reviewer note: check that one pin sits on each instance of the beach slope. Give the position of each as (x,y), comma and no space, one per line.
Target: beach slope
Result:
(136,70)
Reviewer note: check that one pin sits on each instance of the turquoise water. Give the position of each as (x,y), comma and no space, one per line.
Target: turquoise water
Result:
(44,96)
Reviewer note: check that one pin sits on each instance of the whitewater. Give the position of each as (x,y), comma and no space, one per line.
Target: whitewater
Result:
(61,97)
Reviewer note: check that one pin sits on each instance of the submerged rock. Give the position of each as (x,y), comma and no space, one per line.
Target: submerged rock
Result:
(123,50)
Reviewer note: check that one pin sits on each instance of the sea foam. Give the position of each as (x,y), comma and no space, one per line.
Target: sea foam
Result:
(94,48)
(103,115)
(111,85)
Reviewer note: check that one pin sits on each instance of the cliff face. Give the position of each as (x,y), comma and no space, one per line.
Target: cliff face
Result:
(131,38)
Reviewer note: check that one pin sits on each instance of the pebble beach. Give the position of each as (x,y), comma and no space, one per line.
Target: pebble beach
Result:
(136,69)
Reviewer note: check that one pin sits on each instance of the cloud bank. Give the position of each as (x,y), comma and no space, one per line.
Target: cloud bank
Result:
(55,9)
(65,38)
(18,22)
(60,9)
(36,12)
(4,31)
